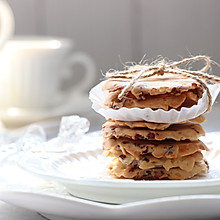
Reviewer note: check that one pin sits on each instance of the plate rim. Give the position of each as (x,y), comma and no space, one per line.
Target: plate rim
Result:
(106,209)
(70,198)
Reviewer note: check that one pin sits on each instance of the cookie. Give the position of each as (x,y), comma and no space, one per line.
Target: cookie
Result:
(185,163)
(169,91)
(178,132)
(120,170)
(199,119)
(168,148)
(148,161)
(164,101)
(154,85)
(155,126)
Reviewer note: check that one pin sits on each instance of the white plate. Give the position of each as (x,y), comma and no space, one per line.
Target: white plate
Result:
(18,116)
(54,202)
(85,175)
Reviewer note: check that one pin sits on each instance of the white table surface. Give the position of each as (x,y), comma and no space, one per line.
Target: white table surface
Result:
(11,212)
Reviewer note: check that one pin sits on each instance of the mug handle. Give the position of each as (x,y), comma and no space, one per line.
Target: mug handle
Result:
(6,22)
(89,75)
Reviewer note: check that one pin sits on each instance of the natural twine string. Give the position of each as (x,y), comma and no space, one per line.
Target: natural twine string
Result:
(162,67)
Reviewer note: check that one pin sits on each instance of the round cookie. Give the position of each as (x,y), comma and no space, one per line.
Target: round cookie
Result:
(155,126)
(121,170)
(148,162)
(178,132)
(167,148)
(169,91)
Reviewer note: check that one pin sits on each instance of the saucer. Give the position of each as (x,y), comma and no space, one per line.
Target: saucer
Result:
(16,117)
(56,206)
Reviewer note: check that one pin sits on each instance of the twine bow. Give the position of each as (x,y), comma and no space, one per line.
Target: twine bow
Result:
(161,68)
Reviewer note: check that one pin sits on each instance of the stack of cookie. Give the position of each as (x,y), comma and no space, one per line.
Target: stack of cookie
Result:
(148,149)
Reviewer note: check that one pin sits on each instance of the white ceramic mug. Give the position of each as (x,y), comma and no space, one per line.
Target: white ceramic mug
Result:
(6,22)
(32,71)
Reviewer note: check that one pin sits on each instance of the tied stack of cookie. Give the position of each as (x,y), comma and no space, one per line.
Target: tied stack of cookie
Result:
(152,144)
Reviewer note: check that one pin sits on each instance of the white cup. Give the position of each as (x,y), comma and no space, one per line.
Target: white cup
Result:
(32,72)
